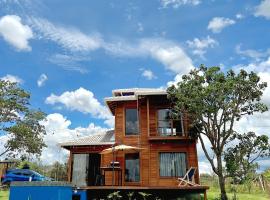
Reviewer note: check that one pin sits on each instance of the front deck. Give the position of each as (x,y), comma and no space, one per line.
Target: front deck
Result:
(157,192)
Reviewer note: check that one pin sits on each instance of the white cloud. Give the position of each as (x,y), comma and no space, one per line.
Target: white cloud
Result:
(170,54)
(256,55)
(15,33)
(41,80)
(263,9)
(140,27)
(239,16)
(12,78)
(178,3)
(199,46)
(57,128)
(69,62)
(148,74)
(67,37)
(218,23)
(82,100)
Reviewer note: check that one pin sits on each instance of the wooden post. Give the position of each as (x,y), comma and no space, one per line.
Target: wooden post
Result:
(205,195)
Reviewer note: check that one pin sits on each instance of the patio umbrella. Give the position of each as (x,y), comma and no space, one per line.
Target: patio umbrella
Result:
(121,147)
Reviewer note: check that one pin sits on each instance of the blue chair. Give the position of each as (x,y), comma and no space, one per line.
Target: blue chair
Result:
(188,179)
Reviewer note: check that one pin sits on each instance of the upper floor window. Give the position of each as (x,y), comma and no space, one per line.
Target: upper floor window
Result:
(169,126)
(131,121)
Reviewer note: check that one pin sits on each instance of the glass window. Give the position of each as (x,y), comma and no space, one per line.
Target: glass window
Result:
(167,125)
(172,164)
(132,170)
(131,122)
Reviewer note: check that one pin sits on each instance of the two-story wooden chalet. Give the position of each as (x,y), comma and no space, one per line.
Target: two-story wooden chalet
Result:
(142,119)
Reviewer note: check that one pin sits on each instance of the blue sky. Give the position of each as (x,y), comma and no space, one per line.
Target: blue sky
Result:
(81,50)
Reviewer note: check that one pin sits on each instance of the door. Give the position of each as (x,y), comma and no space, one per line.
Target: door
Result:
(94,168)
(80,169)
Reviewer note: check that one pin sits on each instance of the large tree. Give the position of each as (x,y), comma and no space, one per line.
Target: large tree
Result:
(214,101)
(19,123)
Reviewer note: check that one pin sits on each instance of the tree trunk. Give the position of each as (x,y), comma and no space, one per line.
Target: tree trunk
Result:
(221,179)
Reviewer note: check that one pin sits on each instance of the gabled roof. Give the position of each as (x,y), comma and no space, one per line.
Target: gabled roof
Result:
(131,94)
(106,138)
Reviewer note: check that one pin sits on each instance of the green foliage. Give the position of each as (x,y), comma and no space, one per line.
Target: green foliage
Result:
(241,158)
(19,122)
(115,195)
(214,100)
(144,195)
(58,171)
(266,174)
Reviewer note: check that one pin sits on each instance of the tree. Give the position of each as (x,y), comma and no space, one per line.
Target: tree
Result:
(241,158)
(58,171)
(214,101)
(19,122)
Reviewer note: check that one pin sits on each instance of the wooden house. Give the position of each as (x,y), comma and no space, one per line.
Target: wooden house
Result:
(166,149)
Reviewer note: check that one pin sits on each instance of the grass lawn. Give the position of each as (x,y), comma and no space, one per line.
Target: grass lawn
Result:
(4,194)
(240,196)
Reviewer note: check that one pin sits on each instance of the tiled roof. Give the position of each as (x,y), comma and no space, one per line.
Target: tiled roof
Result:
(106,138)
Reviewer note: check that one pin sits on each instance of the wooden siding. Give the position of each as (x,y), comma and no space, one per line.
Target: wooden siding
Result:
(149,155)
(147,139)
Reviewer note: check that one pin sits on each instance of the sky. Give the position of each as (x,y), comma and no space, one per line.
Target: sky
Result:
(71,54)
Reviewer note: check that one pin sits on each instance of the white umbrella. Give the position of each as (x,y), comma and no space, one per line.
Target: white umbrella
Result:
(121,147)
(117,148)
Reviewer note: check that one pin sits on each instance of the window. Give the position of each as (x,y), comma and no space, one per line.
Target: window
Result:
(167,125)
(172,164)
(132,169)
(131,122)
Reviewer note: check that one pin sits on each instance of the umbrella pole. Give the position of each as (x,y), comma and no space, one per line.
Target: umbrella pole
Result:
(113,169)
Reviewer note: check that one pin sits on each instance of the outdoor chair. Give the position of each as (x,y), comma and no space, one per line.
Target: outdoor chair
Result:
(188,179)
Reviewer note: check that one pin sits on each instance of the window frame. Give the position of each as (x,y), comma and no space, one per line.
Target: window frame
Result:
(158,164)
(172,121)
(140,178)
(125,121)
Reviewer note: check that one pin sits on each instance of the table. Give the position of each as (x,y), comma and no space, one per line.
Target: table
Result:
(113,170)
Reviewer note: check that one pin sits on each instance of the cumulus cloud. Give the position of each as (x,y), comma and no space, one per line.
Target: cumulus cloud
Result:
(12,78)
(82,100)
(263,9)
(57,128)
(15,33)
(170,54)
(217,24)
(178,3)
(41,80)
(148,74)
(199,46)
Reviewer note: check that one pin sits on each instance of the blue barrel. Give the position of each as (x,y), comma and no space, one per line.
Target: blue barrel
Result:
(44,190)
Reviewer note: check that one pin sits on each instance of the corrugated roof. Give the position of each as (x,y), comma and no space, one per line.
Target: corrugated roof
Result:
(106,138)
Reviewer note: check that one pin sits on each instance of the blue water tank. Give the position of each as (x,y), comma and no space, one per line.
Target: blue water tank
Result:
(45,190)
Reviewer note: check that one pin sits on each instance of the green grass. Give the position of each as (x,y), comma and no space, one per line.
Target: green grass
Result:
(242,192)
(4,194)
(212,195)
